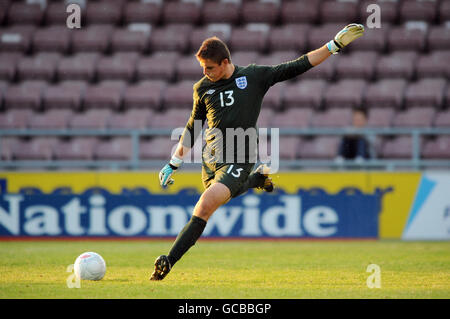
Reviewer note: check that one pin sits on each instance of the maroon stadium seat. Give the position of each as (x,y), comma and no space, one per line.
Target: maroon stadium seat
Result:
(274,97)
(103,12)
(179,95)
(143,12)
(56,14)
(26,95)
(145,95)
(244,58)
(65,95)
(25,13)
(131,119)
(105,95)
(7,146)
(439,37)
(16,38)
(55,38)
(438,148)
(398,147)
(131,39)
(116,148)
(345,93)
(120,66)
(42,66)
(188,68)
(418,10)
(8,65)
(252,37)
(265,117)
(160,66)
(4,6)
(380,117)
(325,71)
(15,119)
(221,12)
(277,57)
(305,11)
(171,118)
(359,64)
(51,119)
(181,12)
(38,148)
(415,117)
(157,148)
(80,66)
(292,118)
(91,119)
(333,117)
(95,38)
(320,35)
(339,11)
(442,119)
(444,11)
(304,93)
(289,147)
(389,10)
(222,31)
(173,37)
(399,64)
(387,93)
(425,92)
(289,37)
(374,39)
(77,148)
(412,36)
(431,65)
(258,11)
(321,147)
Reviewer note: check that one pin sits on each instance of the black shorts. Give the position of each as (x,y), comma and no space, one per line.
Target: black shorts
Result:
(234,176)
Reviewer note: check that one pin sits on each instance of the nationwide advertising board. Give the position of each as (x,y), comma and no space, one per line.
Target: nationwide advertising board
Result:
(305,205)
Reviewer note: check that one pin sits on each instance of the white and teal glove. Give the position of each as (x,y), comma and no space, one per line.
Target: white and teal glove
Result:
(350,33)
(165,175)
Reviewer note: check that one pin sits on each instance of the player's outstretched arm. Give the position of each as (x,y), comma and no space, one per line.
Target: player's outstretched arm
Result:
(343,38)
(165,175)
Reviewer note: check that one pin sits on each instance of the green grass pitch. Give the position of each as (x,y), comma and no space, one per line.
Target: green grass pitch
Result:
(231,269)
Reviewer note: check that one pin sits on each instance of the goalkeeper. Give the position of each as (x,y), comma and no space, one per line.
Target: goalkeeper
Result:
(230,97)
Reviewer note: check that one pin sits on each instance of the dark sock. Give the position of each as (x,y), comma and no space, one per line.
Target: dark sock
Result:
(254,180)
(186,238)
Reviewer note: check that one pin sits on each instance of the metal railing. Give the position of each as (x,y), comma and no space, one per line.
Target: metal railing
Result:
(415,162)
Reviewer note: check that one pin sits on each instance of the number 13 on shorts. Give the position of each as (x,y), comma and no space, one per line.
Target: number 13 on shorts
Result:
(236,173)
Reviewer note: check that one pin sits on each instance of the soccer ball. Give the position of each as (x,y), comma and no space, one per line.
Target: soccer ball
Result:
(90,266)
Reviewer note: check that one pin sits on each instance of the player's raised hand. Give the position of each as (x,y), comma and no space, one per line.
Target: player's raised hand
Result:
(344,37)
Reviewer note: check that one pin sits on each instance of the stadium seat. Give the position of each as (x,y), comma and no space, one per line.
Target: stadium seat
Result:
(15,119)
(56,14)
(80,66)
(412,36)
(7,145)
(21,12)
(339,11)
(418,10)
(103,12)
(76,148)
(273,97)
(37,148)
(265,117)
(398,64)
(173,37)
(326,70)
(380,117)
(415,117)
(305,11)
(131,39)
(115,148)
(399,147)
(144,95)
(26,95)
(188,68)
(8,65)
(170,119)
(320,35)
(345,93)
(321,147)
(51,119)
(387,93)
(289,147)
(426,92)
(16,38)
(252,37)
(181,12)
(131,119)
(289,37)
(198,35)
(41,66)
(222,11)
(292,118)
(258,11)
(304,93)
(444,11)
(4,6)
(178,95)
(156,148)
(143,12)
(374,39)
(439,37)
(65,95)
(158,66)
(357,65)
(120,66)
(438,148)
(332,118)
(105,95)
(244,58)
(91,119)
(277,57)
(94,38)
(52,39)
(442,119)
(389,10)
(431,65)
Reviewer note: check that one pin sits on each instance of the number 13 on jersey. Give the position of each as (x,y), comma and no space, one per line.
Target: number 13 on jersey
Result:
(226,100)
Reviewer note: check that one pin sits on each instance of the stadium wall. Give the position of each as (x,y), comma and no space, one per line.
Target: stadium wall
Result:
(386,205)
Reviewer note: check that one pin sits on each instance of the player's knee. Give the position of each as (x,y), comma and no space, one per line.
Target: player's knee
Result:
(203,209)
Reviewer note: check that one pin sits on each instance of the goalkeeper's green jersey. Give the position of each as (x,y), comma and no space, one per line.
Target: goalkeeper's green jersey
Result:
(231,108)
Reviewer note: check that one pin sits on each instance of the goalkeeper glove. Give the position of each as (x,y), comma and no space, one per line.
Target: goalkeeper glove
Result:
(350,33)
(165,175)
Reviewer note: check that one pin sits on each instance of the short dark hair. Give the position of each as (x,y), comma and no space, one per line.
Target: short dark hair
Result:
(360,110)
(213,49)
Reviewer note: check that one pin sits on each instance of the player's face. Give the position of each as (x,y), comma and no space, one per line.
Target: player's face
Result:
(213,71)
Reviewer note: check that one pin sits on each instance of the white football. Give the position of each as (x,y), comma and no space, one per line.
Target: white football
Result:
(89,266)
